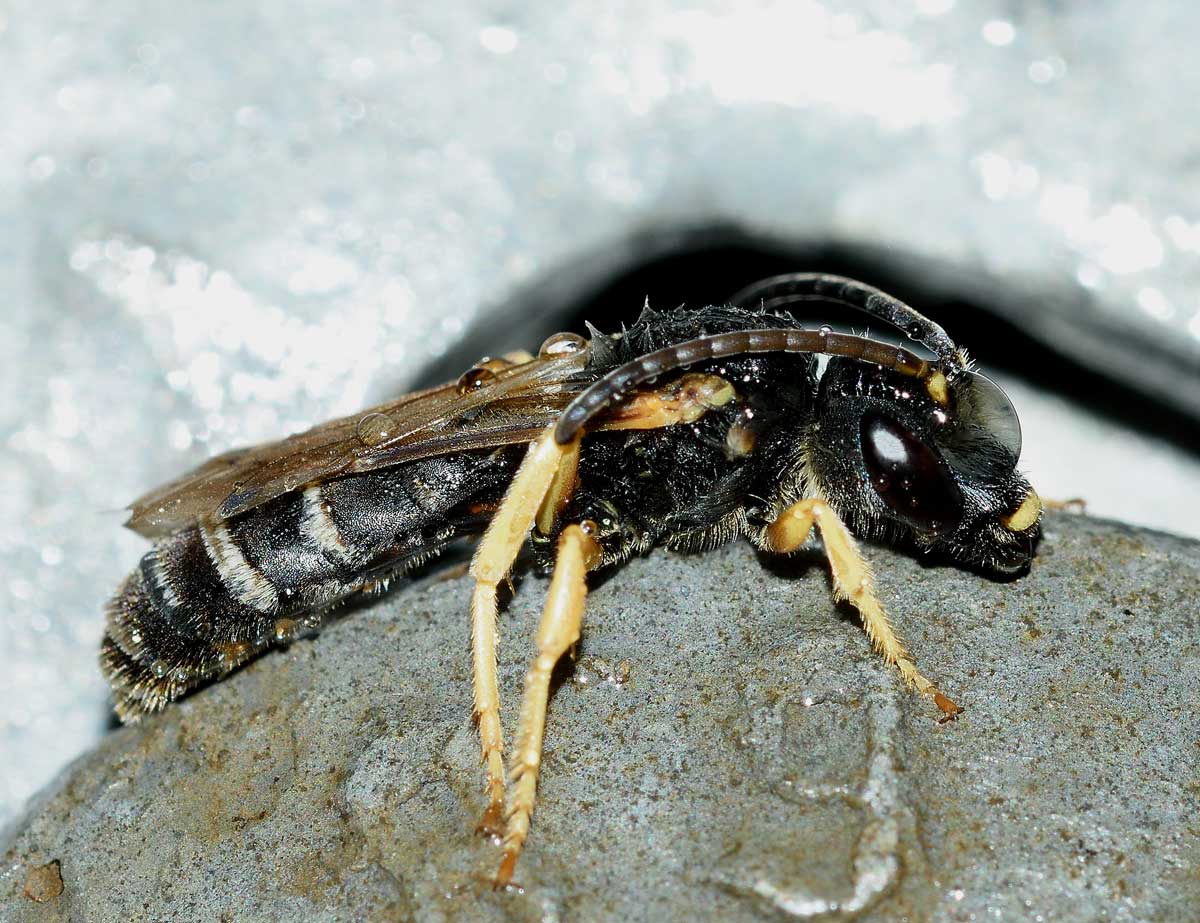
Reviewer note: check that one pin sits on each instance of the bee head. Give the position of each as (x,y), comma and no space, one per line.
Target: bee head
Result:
(934,459)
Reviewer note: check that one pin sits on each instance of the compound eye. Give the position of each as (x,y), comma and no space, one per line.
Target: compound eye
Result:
(988,407)
(909,477)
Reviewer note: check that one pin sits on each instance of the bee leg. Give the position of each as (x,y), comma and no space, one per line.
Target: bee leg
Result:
(538,493)
(1072,505)
(851,581)
(561,489)
(683,400)
(497,550)
(577,553)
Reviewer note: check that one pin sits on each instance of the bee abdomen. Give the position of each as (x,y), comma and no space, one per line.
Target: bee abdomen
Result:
(214,595)
(178,620)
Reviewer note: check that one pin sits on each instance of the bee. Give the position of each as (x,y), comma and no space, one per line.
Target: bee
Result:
(685,430)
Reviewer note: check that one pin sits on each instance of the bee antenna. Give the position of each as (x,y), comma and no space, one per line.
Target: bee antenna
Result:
(779,292)
(606,391)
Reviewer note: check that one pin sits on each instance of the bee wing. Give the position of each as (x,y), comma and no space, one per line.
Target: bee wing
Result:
(511,407)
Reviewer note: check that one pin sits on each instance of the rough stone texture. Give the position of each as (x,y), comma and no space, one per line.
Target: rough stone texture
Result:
(726,748)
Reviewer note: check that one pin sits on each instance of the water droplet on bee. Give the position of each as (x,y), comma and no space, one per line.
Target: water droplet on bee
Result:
(181,675)
(474,379)
(825,330)
(374,428)
(159,668)
(232,654)
(285,629)
(561,344)
(135,637)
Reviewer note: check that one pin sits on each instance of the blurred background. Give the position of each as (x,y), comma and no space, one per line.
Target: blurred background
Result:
(225,221)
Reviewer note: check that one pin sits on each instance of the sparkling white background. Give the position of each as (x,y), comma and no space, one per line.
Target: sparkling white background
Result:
(226,221)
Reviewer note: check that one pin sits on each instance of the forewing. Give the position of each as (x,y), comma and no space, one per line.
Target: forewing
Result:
(512,407)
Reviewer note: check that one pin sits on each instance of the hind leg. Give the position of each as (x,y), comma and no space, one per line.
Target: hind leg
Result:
(498,549)
(562,618)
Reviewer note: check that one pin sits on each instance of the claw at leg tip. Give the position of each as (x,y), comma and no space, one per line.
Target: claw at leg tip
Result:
(492,822)
(504,874)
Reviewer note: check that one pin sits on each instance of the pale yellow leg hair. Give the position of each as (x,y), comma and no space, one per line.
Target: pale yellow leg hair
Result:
(497,550)
(562,619)
(852,581)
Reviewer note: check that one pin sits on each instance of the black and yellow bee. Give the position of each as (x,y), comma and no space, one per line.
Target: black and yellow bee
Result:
(685,430)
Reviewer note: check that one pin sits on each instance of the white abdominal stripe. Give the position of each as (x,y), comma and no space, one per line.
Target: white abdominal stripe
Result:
(318,526)
(238,575)
(162,581)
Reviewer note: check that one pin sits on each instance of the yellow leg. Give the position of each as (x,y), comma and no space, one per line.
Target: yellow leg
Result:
(562,618)
(684,400)
(562,487)
(852,581)
(541,488)
(497,551)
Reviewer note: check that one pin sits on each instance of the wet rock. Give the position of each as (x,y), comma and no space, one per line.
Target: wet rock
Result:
(728,749)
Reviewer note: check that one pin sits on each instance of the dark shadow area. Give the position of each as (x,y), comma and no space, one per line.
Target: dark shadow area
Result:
(708,266)
(794,566)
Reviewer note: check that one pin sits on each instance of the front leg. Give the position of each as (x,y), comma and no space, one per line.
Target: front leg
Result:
(851,581)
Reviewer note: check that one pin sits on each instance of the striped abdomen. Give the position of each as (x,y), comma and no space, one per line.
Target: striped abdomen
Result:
(216,594)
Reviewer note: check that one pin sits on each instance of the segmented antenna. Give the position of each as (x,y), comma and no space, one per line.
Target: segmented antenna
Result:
(779,292)
(602,394)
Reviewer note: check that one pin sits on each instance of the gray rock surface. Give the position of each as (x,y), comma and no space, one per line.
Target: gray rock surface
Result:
(725,748)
